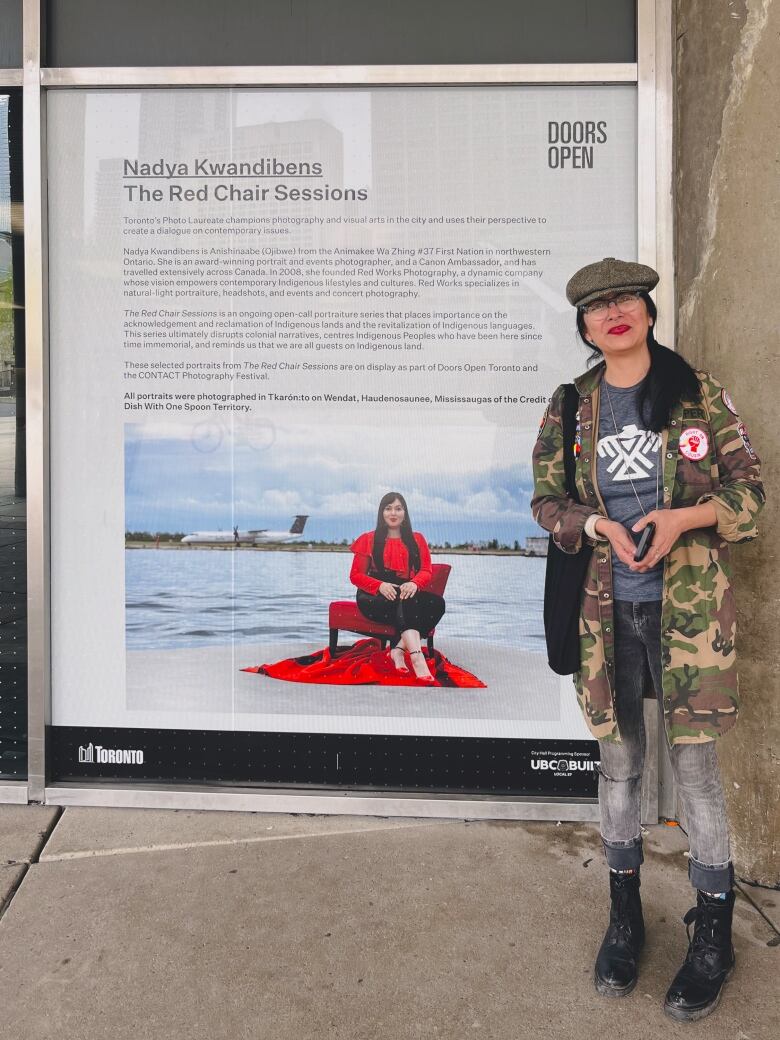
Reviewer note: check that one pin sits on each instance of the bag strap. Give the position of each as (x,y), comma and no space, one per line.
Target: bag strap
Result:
(571,400)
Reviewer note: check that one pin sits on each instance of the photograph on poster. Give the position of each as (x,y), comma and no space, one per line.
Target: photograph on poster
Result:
(248,545)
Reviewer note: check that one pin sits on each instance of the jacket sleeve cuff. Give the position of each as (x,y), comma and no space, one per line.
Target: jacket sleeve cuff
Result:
(569,532)
(590,528)
(727,524)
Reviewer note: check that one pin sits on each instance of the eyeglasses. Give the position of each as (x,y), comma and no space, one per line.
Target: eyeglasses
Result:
(599,308)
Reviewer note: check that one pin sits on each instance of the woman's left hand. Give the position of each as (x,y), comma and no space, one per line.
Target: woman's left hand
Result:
(408,589)
(669,525)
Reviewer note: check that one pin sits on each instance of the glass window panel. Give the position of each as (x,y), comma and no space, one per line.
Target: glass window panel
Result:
(13,527)
(10,34)
(338,32)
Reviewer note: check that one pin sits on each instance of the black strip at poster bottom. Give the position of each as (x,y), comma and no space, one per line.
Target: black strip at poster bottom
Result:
(463,765)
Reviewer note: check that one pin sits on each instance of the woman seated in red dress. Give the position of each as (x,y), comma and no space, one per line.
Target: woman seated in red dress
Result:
(391,568)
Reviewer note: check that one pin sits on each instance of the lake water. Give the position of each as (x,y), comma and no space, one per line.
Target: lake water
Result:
(196,598)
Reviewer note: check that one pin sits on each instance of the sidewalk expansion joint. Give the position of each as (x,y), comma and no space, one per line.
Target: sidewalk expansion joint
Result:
(46,835)
(43,840)
(25,864)
(61,857)
(4,905)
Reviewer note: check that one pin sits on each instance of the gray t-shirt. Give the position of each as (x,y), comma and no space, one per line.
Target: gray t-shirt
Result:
(628,460)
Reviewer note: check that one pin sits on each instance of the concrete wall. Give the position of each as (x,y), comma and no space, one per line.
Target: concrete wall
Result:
(727,152)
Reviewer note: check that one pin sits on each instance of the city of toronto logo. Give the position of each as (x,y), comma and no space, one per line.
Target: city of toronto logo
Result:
(93,753)
(631,451)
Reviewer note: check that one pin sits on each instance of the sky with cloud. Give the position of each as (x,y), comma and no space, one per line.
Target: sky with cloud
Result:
(468,482)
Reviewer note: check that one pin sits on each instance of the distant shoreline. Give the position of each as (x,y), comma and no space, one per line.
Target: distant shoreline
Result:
(280,547)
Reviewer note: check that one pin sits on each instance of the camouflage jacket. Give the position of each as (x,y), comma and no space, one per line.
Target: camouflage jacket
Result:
(706,456)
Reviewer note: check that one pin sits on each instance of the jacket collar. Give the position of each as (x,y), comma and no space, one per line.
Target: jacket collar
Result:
(588,381)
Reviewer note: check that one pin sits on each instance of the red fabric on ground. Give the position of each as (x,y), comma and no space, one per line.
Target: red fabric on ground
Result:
(366,663)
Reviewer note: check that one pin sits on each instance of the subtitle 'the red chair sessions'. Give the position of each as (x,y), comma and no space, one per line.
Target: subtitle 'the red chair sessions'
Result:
(344,614)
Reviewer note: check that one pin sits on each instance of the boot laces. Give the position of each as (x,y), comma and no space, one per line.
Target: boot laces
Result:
(703,945)
(620,926)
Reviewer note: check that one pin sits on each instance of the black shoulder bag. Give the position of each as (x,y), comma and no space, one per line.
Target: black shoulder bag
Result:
(565,575)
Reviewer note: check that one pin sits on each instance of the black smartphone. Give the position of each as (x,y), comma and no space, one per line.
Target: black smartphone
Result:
(644,542)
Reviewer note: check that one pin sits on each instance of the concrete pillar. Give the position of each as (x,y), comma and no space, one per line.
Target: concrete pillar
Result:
(727,152)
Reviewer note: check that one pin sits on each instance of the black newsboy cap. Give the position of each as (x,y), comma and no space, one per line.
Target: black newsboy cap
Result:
(609,275)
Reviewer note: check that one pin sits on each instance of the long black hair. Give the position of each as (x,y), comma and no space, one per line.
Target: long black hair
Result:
(407,536)
(670,379)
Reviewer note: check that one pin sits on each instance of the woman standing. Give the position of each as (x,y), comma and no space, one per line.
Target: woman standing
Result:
(391,568)
(656,443)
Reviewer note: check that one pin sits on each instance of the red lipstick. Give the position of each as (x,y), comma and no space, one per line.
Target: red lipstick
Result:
(618,330)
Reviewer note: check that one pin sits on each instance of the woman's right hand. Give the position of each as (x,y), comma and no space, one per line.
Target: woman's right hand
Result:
(619,538)
(387,590)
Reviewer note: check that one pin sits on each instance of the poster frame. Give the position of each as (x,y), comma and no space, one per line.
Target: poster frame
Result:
(652,73)
(13,792)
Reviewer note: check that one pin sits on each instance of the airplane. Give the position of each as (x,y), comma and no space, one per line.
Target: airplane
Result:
(256,537)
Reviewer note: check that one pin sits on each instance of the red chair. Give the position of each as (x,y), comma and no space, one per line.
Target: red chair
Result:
(344,614)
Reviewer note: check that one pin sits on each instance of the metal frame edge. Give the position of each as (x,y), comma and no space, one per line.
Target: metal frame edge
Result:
(13,793)
(37,401)
(331,803)
(655,233)
(666,290)
(338,75)
(654,152)
(664,169)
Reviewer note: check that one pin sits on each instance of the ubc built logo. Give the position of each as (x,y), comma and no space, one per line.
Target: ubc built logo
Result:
(118,756)
(560,766)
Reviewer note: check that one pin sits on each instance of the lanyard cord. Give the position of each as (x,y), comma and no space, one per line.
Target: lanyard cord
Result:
(627,460)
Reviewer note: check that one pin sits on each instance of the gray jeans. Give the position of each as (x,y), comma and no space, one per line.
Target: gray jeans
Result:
(637,649)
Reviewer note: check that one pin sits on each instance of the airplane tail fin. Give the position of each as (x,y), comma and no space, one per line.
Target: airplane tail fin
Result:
(298,524)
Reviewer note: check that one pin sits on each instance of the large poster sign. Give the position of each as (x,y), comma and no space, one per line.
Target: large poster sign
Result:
(301,342)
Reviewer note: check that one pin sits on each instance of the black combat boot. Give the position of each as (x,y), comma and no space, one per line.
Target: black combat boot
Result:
(616,964)
(710,960)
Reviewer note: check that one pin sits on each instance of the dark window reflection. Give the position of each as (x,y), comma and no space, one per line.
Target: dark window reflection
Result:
(338,32)
(13,525)
(10,34)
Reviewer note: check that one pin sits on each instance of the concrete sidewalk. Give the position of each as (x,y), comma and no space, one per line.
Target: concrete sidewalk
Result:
(201,926)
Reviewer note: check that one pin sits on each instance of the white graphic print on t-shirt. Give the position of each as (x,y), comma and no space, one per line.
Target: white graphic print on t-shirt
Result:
(631,451)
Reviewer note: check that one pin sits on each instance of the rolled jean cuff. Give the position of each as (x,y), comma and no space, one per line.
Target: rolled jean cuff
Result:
(719,878)
(624,855)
